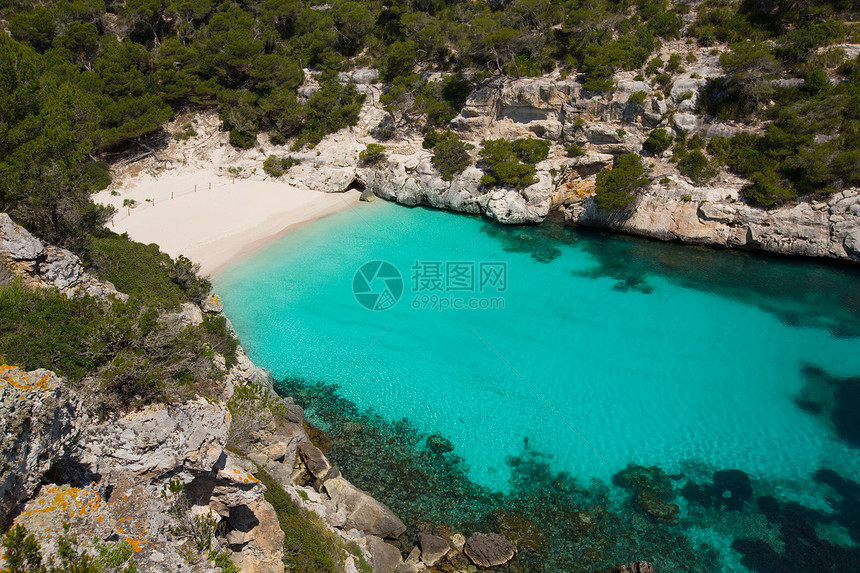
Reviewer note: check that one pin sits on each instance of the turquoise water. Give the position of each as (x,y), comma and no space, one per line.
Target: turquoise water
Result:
(602,351)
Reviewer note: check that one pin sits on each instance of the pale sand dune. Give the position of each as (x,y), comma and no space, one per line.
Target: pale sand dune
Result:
(214,226)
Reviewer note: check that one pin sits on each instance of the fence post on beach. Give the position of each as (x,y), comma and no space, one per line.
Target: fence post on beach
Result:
(195,188)
(171,194)
(210,185)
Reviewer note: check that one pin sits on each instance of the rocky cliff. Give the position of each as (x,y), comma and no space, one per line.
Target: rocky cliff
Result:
(604,125)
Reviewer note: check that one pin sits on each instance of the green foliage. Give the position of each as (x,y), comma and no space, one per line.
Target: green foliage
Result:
(431,138)
(697,167)
(309,547)
(450,155)
(373,154)
(145,272)
(637,97)
(616,188)
(23,554)
(277,166)
(767,190)
(574,150)
(658,141)
(512,162)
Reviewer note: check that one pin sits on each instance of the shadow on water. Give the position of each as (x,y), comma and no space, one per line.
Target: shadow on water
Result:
(560,523)
(834,400)
(806,293)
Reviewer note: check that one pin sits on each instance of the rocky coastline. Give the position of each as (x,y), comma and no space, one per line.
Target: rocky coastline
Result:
(180,483)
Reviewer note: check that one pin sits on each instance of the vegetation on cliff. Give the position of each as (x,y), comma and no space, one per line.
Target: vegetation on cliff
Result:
(88,78)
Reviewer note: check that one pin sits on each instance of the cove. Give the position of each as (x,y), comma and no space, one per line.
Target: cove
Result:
(605,351)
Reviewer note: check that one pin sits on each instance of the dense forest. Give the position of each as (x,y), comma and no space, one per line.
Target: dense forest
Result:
(82,79)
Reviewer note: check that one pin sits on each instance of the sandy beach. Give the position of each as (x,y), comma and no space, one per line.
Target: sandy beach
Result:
(221,220)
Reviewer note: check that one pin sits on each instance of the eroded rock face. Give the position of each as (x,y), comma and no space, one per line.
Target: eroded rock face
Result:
(489,549)
(40,420)
(830,230)
(47,265)
(152,477)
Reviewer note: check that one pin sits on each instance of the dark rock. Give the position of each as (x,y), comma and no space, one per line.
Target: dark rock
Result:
(654,507)
(521,530)
(433,548)
(695,493)
(634,567)
(439,444)
(640,478)
(769,506)
(317,436)
(489,549)
(581,523)
(732,488)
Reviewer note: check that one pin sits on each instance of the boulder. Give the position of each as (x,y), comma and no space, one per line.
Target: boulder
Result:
(16,241)
(40,420)
(489,549)
(686,122)
(384,556)
(363,512)
(433,548)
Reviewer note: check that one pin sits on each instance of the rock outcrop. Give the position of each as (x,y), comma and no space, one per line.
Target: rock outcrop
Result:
(47,265)
(160,479)
(40,421)
(489,549)
(713,217)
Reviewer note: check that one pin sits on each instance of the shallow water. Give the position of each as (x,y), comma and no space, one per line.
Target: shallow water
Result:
(600,351)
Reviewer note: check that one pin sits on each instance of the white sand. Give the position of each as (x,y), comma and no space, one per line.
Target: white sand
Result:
(214,226)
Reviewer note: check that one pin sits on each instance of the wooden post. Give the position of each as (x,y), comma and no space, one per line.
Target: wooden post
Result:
(195,188)
(129,211)
(171,194)
(210,186)
(234,181)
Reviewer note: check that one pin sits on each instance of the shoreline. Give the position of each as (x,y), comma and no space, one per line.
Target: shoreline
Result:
(212,219)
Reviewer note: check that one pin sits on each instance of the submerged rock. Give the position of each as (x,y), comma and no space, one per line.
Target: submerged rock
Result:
(489,549)
(520,530)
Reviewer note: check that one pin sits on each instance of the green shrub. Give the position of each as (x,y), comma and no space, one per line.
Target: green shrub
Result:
(242,139)
(373,154)
(574,150)
(637,97)
(697,167)
(616,188)
(431,137)
(512,162)
(277,166)
(450,155)
(658,141)
(767,190)
(654,66)
(309,547)
(674,64)
(144,271)
(23,554)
